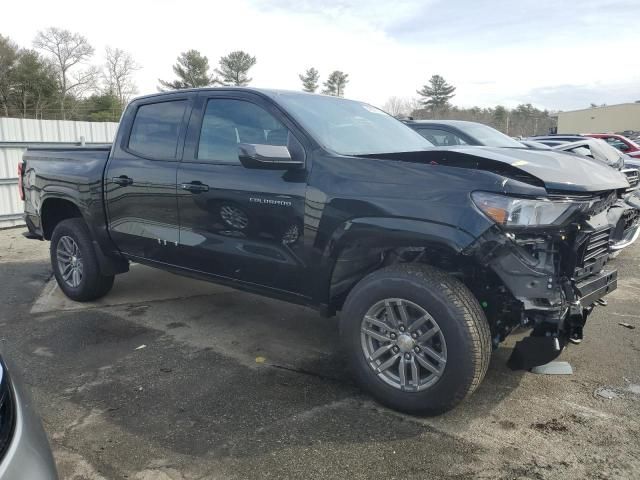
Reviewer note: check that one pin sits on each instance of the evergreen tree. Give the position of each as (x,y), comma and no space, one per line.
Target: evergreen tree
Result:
(310,80)
(234,68)
(436,94)
(500,117)
(33,83)
(192,70)
(105,107)
(336,83)
(8,56)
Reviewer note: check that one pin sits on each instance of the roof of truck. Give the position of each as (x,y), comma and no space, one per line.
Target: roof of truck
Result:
(269,92)
(440,122)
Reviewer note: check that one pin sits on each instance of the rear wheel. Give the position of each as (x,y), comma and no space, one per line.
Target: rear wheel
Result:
(416,338)
(74,262)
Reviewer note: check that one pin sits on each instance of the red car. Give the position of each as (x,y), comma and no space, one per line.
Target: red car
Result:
(620,142)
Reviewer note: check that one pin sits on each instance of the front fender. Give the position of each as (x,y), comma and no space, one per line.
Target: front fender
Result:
(356,244)
(397,232)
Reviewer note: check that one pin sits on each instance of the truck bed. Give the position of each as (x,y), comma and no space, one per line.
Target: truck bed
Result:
(72,173)
(68,153)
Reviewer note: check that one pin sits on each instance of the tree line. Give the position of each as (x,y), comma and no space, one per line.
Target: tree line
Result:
(192,70)
(434,102)
(56,79)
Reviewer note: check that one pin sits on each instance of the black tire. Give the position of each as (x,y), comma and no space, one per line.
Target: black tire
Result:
(461,321)
(93,284)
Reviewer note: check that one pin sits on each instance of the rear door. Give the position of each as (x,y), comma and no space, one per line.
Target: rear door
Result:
(140,178)
(238,223)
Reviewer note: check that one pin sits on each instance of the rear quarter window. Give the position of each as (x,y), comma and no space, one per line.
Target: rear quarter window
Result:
(156,128)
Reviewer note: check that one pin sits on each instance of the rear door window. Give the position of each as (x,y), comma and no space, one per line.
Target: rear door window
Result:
(156,129)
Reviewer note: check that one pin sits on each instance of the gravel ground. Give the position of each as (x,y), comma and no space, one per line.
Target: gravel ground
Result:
(170,378)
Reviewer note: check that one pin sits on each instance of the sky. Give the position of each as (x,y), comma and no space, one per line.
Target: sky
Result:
(551,53)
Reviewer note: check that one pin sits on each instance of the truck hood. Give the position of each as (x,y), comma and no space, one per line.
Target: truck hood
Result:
(556,171)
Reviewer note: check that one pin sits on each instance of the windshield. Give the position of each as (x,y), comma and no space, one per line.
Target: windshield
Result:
(348,127)
(488,136)
(611,155)
(632,143)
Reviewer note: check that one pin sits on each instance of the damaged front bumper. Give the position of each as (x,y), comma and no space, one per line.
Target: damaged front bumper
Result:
(625,214)
(595,287)
(554,277)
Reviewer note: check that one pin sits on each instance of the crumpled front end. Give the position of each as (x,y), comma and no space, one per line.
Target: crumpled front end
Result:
(626,216)
(555,276)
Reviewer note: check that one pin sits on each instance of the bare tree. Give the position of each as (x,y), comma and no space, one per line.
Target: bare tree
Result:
(118,75)
(68,50)
(395,106)
(413,104)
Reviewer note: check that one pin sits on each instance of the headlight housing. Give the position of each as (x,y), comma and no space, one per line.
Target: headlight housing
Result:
(517,212)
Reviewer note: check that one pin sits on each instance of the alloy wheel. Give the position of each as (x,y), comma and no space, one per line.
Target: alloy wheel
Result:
(403,344)
(69,261)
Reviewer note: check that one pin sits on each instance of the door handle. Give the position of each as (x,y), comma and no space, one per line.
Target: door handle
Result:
(195,187)
(122,180)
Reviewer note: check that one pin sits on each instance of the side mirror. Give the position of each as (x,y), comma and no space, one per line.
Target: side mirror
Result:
(274,157)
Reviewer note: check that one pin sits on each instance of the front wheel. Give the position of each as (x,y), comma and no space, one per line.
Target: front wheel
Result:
(74,262)
(416,338)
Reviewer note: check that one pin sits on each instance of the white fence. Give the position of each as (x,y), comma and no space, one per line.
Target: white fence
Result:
(16,134)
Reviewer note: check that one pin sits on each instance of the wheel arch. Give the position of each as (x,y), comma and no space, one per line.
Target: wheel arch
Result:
(363,245)
(55,209)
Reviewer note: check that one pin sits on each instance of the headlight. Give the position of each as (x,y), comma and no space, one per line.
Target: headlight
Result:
(524,212)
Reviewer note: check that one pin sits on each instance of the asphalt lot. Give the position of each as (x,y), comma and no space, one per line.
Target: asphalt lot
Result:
(170,378)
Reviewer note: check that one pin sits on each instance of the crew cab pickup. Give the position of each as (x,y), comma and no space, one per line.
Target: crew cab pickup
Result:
(432,255)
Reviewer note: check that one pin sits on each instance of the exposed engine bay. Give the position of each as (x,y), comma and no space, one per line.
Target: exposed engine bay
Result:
(551,280)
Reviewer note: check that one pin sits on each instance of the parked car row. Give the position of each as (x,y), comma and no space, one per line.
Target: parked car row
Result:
(630,151)
(597,147)
(622,143)
(601,147)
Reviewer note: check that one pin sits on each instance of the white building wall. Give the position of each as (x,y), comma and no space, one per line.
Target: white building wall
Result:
(16,134)
(607,119)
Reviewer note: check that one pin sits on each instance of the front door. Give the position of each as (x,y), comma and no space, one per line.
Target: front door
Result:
(239,223)
(140,181)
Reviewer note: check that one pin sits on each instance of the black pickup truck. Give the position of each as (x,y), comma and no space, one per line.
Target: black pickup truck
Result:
(431,255)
